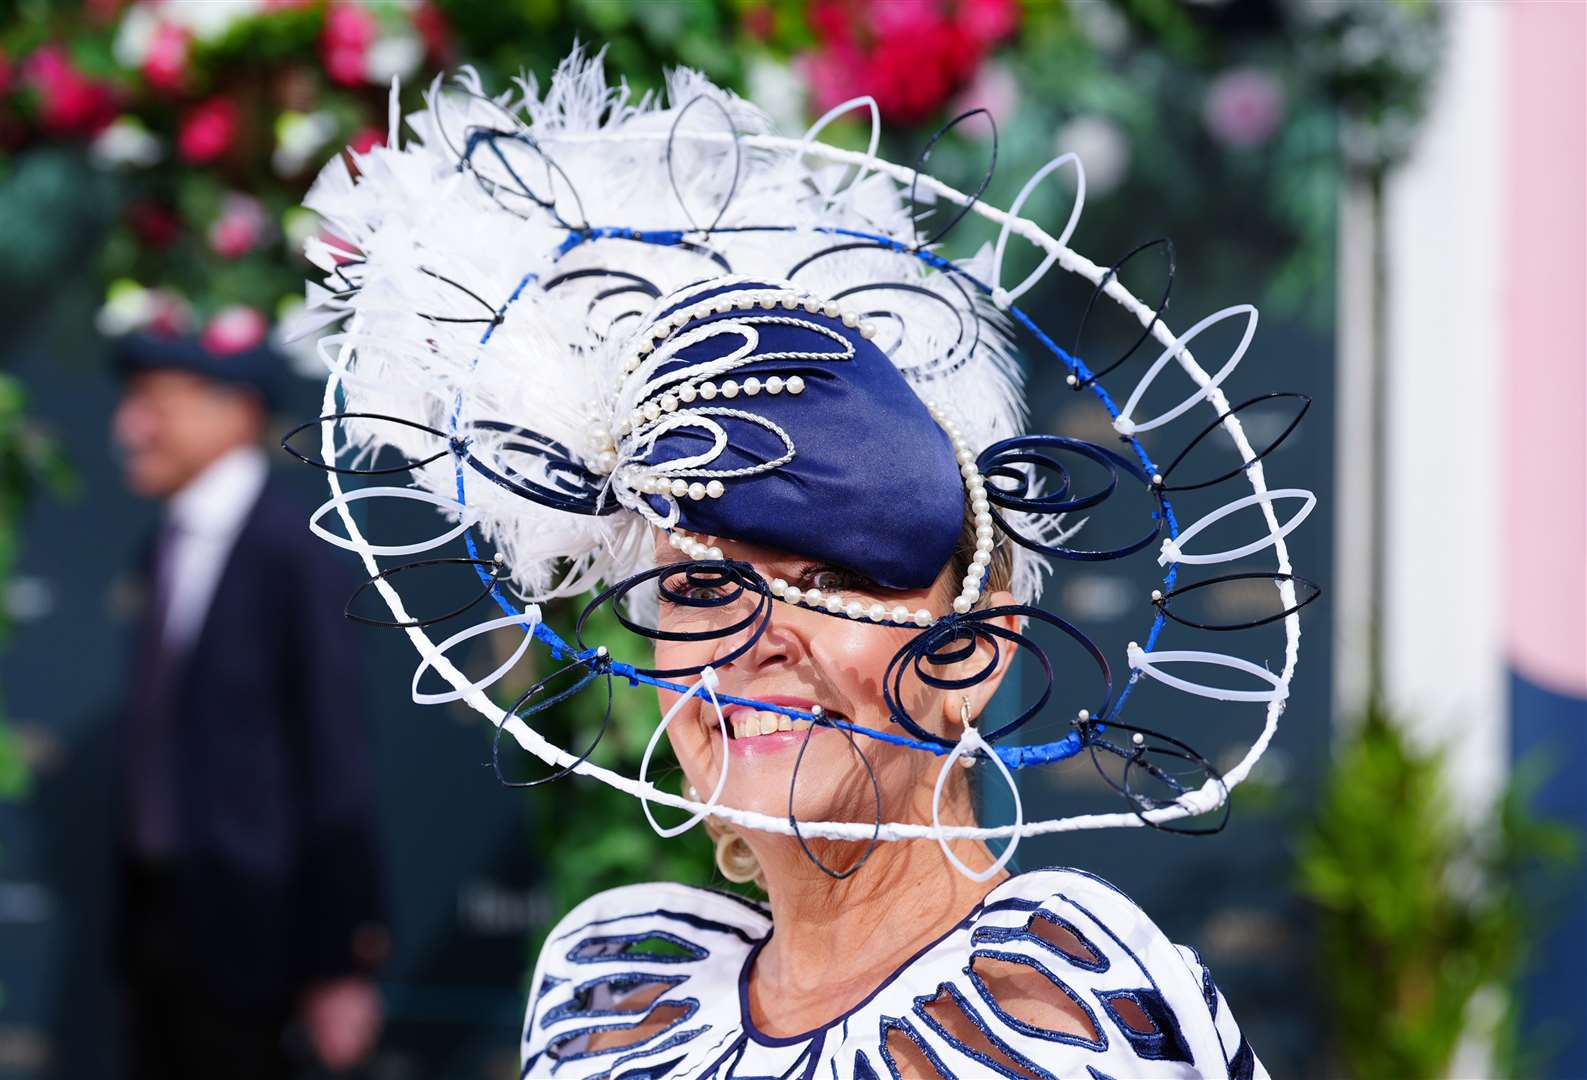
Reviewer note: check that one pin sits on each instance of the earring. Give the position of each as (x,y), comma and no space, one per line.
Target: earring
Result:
(968,760)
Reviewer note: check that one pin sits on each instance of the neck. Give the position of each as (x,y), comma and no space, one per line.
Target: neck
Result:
(905,897)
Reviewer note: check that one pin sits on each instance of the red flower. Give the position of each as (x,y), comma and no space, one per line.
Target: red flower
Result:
(350,29)
(165,64)
(911,55)
(233,330)
(208,130)
(153,224)
(70,103)
(239,228)
(366,140)
(430,22)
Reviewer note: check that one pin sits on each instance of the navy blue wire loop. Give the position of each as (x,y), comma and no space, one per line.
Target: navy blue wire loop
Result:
(581,493)
(1000,461)
(975,196)
(1157,313)
(445,440)
(725,580)
(492,138)
(1310,589)
(1277,440)
(595,667)
(495,571)
(876,792)
(954,639)
(1146,758)
(738,162)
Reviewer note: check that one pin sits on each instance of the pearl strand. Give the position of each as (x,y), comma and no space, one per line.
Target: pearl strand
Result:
(836,604)
(651,336)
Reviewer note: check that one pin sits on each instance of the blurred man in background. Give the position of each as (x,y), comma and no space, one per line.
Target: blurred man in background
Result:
(250,903)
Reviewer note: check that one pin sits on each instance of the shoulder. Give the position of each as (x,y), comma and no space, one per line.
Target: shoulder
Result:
(1069,947)
(657,953)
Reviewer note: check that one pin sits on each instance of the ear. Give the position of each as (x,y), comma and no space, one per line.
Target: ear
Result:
(988,648)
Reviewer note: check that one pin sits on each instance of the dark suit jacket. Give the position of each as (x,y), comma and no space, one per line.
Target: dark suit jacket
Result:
(279,871)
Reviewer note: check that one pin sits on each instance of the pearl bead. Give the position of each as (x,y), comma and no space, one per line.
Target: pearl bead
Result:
(812,306)
(834,604)
(744,303)
(714,489)
(876,613)
(966,458)
(982,517)
(792,595)
(674,539)
(686,394)
(796,384)
(624,427)
(778,586)
(853,609)
(791,303)
(900,614)
(680,488)
(980,504)
(849,319)
(697,492)
(751,386)
(604,462)
(730,389)
(713,553)
(652,411)
(976,484)
(669,402)
(981,558)
(922,617)
(983,532)
(867,331)
(961,605)
(813,597)
(774,384)
(708,390)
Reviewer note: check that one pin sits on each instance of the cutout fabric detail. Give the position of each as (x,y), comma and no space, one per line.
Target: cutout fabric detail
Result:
(926,1007)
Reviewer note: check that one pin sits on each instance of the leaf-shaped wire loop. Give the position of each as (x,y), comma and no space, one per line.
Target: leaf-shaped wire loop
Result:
(494,572)
(1214,425)
(975,196)
(1308,589)
(876,792)
(577,490)
(1148,756)
(1146,332)
(738,163)
(593,669)
(385,470)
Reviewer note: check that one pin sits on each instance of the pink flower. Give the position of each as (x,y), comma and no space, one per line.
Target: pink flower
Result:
(994,89)
(1244,107)
(70,103)
(153,223)
(208,130)
(988,21)
(350,29)
(366,140)
(165,64)
(239,228)
(234,329)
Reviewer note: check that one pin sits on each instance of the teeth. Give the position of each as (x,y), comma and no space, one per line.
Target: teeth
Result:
(747,724)
(784,723)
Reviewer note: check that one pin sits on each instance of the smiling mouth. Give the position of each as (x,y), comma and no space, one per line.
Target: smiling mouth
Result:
(745,723)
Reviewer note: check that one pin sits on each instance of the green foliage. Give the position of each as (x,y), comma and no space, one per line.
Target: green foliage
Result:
(1419,910)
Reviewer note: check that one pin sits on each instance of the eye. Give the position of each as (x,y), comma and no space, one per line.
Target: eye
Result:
(835,579)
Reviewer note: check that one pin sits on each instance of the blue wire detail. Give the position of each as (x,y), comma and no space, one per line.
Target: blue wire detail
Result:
(1015,757)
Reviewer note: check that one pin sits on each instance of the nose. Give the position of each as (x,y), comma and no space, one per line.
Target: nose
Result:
(778,646)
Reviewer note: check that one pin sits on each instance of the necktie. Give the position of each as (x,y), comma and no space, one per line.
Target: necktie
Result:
(152,732)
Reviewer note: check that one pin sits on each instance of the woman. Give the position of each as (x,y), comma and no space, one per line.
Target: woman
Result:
(723,381)
(903,968)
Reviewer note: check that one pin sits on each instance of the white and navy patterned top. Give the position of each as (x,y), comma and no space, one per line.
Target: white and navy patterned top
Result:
(676,959)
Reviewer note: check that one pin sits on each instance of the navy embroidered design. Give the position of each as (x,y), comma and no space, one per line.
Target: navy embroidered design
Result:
(1148,1023)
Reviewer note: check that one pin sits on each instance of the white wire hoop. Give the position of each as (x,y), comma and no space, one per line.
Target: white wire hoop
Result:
(1056,251)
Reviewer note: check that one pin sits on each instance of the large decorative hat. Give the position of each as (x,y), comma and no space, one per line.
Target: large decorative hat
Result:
(572,318)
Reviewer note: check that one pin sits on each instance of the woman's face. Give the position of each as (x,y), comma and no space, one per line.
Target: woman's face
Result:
(806,658)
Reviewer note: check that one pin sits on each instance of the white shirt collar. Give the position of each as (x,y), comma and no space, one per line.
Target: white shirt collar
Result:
(216,501)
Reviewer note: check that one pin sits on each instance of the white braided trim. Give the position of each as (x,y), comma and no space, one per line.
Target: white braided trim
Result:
(1204,799)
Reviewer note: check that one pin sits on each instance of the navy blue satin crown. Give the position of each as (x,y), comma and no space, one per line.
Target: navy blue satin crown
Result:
(873,486)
